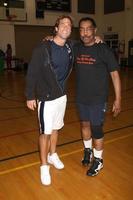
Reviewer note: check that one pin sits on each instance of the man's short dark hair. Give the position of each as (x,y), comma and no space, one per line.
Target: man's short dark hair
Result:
(88,19)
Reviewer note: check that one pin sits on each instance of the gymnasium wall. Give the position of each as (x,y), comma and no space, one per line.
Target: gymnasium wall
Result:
(25,35)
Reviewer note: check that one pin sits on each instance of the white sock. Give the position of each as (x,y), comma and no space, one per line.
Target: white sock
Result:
(98,154)
(88,143)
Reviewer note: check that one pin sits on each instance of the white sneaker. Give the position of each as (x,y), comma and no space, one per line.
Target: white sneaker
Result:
(55,160)
(45,175)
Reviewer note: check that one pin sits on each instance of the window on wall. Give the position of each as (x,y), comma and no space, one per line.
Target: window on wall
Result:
(51,5)
(112,6)
(58,5)
(86,6)
(40,6)
(12,3)
(13,10)
(112,40)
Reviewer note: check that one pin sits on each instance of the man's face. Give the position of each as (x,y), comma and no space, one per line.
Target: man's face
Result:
(87,32)
(64,28)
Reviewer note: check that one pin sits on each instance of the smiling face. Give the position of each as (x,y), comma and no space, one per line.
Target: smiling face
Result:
(87,32)
(63,30)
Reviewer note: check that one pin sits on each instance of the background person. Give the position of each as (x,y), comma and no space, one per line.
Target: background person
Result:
(9,56)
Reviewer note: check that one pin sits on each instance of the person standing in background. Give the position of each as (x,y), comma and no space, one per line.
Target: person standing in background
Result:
(9,56)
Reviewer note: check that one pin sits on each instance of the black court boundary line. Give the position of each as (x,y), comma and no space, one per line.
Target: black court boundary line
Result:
(68,102)
(23,132)
(22,101)
(26,115)
(60,145)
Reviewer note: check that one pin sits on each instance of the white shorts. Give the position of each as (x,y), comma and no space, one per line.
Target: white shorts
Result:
(51,114)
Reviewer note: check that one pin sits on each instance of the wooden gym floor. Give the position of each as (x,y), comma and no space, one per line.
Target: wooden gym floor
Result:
(19,158)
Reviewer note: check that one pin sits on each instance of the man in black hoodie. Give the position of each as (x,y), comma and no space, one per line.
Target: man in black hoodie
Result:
(48,71)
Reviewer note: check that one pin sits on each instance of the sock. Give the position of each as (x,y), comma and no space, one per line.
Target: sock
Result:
(88,143)
(98,154)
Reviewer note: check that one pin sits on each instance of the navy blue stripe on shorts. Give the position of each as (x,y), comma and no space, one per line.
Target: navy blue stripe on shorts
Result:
(42,125)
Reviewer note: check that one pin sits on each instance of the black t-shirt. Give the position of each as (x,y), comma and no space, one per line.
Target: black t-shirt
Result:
(93,65)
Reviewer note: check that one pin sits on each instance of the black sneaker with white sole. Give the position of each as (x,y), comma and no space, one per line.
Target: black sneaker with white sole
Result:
(96,166)
(87,156)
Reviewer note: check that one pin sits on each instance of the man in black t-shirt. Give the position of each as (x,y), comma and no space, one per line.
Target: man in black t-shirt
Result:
(94,64)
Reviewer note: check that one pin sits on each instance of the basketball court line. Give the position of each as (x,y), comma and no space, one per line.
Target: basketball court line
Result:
(59,145)
(63,155)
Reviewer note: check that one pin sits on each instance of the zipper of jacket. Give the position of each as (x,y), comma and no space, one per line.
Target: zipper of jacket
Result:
(72,61)
(53,71)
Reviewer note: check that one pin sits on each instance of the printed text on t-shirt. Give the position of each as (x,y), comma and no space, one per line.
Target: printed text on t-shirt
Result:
(85,59)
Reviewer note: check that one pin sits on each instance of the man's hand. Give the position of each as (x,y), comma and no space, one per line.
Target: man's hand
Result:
(116,108)
(98,39)
(50,38)
(31,104)
(117,87)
